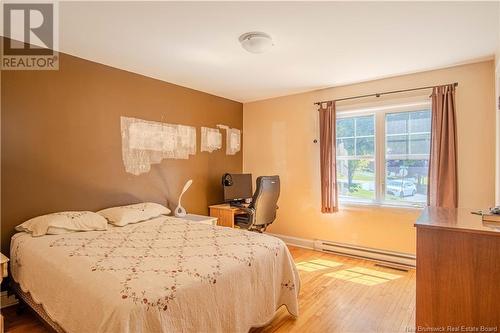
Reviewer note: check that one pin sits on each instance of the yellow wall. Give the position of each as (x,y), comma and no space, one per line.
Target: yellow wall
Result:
(498,46)
(497,102)
(278,135)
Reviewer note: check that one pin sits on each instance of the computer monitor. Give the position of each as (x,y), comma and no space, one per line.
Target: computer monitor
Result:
(237,187)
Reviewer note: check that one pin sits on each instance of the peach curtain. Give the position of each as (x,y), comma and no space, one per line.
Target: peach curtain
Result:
(443,180)
(329,199)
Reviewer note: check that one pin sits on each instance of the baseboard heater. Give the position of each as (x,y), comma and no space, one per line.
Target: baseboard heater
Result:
(388,258)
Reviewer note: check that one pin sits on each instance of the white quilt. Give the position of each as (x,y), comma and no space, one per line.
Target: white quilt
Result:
(162,275)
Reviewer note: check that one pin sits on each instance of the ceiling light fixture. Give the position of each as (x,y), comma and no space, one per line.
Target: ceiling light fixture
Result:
(256,42)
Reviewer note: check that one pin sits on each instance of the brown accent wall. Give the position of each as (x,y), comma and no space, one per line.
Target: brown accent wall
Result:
(61,143)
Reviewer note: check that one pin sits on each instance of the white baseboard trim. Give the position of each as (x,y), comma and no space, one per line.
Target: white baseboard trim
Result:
(6,301)
(295,241)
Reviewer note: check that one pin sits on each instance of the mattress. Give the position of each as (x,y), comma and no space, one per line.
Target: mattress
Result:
(161,275)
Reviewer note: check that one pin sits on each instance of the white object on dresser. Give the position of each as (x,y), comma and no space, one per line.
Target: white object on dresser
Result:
(200,218)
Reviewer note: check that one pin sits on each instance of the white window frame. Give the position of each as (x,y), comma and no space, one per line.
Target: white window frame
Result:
(379,113)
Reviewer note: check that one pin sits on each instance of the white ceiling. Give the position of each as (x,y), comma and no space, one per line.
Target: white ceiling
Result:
(317,44)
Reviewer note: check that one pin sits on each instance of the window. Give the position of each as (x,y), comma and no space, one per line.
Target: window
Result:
(356,157)
(383,156)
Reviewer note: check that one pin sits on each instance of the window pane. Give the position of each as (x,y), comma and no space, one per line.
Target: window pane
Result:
(365,146)
(356,179)
(355,158)
(420,122)
(407,156)
(365,126)
(396,123)
(345,147)
(397,145)
(406,180)
(420,143)
(345,127)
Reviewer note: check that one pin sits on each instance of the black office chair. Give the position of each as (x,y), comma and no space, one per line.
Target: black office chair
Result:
(262,211)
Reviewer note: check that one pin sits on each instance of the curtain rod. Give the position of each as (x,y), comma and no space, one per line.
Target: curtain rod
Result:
(383,93)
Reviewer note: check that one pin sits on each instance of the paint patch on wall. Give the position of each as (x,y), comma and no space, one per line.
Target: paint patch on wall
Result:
(211,139)
(147,142)
(233,139)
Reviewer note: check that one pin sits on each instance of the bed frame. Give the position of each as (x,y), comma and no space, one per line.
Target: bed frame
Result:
(37,308)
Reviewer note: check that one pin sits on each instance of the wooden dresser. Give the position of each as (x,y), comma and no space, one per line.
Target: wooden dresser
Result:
(458,270)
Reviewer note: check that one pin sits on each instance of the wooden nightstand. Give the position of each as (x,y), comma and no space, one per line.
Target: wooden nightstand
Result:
(200,218)
(4,264)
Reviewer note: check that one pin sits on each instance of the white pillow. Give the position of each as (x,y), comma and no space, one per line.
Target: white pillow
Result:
(123,215)
(56,223)
(59,231)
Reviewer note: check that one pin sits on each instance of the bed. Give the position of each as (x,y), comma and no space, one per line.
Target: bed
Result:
(161,275)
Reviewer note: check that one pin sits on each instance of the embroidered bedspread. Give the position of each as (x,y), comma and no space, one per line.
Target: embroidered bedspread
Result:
(162,275)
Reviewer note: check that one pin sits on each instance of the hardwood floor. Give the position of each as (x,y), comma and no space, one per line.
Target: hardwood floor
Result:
(347,298)
(338,294)
(22,323)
